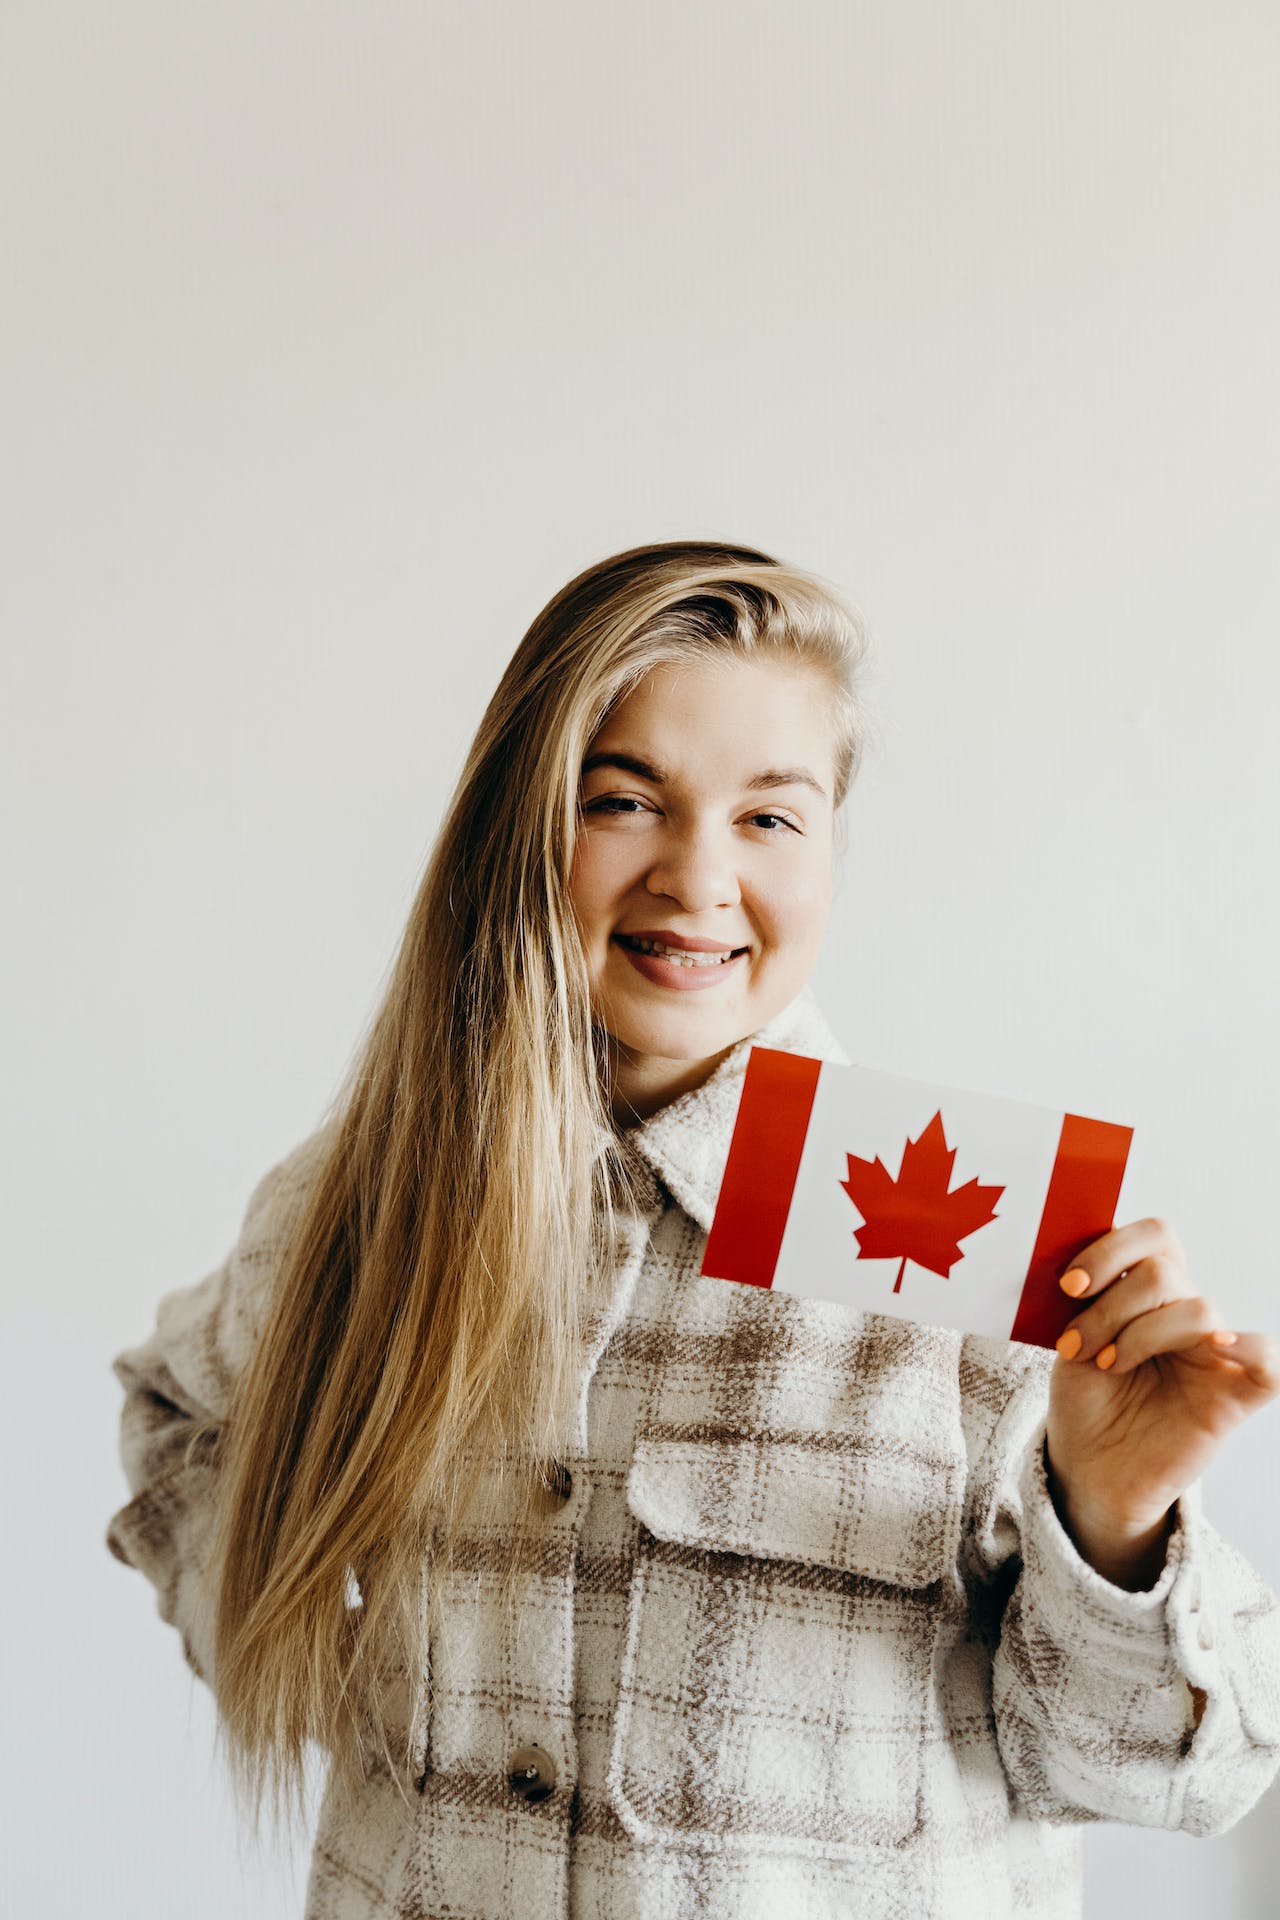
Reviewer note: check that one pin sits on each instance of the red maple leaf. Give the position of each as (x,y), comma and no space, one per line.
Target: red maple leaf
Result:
(914,1216)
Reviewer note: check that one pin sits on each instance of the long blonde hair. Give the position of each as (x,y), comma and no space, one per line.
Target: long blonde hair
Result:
(425,1327)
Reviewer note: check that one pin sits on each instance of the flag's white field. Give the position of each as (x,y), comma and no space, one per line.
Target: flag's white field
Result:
(785,1220)
(873,1115)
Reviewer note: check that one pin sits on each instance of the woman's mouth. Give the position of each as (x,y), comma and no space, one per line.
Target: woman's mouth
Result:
(671,966)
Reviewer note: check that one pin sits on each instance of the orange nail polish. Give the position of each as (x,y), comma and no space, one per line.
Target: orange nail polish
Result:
(1107,1358)
(1075,1283)
(1070,1343)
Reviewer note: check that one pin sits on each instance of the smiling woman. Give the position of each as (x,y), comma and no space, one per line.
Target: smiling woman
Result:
(406,1361)
(701,911)
(608,1587)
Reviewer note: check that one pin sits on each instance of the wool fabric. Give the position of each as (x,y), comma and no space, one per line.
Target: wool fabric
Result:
(806,1637)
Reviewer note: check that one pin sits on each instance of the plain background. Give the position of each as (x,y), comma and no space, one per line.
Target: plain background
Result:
(335,339)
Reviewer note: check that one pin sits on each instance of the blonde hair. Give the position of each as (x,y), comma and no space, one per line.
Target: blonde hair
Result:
(421,1349)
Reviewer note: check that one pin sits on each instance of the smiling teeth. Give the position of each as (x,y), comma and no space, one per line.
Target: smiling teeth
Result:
(677,955)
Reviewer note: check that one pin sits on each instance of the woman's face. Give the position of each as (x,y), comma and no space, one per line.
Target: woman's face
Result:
(706,833)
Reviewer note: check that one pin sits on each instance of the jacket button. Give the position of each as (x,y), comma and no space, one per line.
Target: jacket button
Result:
(532,1772)
(559,1484)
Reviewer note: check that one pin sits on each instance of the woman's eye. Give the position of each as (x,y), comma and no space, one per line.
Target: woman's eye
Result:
(613,803)
(628,806)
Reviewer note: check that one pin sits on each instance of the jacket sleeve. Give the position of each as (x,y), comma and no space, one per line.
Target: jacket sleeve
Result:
(178,1386)
(1159,1708)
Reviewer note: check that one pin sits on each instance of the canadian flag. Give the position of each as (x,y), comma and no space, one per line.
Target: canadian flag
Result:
(896,1196)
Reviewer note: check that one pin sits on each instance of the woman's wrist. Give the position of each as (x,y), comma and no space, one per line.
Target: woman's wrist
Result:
(1129,1554)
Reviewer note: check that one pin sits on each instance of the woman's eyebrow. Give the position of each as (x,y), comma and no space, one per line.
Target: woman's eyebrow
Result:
(758,783)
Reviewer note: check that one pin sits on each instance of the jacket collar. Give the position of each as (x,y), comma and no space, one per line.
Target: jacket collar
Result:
(686,1143)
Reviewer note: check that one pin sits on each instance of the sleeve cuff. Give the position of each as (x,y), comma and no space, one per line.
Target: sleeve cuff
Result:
(1160,1625)
(1169,1675)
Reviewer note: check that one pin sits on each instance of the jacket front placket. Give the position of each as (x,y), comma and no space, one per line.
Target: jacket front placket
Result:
(499,1796)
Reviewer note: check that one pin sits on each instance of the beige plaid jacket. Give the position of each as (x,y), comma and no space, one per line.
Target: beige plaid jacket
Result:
(807,1638)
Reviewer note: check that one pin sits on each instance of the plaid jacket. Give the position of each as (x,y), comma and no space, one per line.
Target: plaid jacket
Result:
(807,1638)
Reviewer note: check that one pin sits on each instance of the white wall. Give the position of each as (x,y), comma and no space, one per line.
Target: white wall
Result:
(334,339)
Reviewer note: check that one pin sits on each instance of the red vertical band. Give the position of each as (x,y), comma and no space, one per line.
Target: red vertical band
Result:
(1079,1207)
(760,1173)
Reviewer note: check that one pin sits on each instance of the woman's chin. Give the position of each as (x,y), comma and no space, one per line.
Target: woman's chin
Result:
(681,1036)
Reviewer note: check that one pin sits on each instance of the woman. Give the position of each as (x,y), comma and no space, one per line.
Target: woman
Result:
(615,1590)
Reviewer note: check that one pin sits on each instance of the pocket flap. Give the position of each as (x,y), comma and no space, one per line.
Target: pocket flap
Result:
(829,1500)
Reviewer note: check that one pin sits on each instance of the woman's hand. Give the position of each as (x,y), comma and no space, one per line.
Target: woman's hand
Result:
(1149,1382)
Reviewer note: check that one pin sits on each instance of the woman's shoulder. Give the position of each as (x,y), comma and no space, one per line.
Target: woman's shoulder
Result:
(206,1333)
(993,1368)
(1004,1388)
(279,1195)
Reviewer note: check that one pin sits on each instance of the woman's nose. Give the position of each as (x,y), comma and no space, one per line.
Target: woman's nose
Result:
(696,870)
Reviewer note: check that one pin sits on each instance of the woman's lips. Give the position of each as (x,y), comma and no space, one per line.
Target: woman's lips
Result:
(679,974)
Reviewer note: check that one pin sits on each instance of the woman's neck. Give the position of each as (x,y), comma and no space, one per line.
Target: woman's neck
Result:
(641,1086)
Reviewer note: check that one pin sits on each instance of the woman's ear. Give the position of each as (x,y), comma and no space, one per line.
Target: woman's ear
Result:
(839,844)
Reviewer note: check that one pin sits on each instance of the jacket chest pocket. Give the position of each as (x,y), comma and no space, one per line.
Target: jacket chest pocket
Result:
(777,1673)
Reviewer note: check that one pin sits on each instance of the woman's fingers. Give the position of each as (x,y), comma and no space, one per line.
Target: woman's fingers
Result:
(1154,1282)
(1255,1359)
(1114,1253)
(1172,1328)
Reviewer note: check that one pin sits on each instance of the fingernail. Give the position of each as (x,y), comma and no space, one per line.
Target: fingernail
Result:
(1107,1358)
(1224,1339)
(1070,1343)
(1075,1283)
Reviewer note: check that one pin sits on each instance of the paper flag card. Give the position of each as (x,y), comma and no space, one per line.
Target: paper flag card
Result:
(896,1196)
